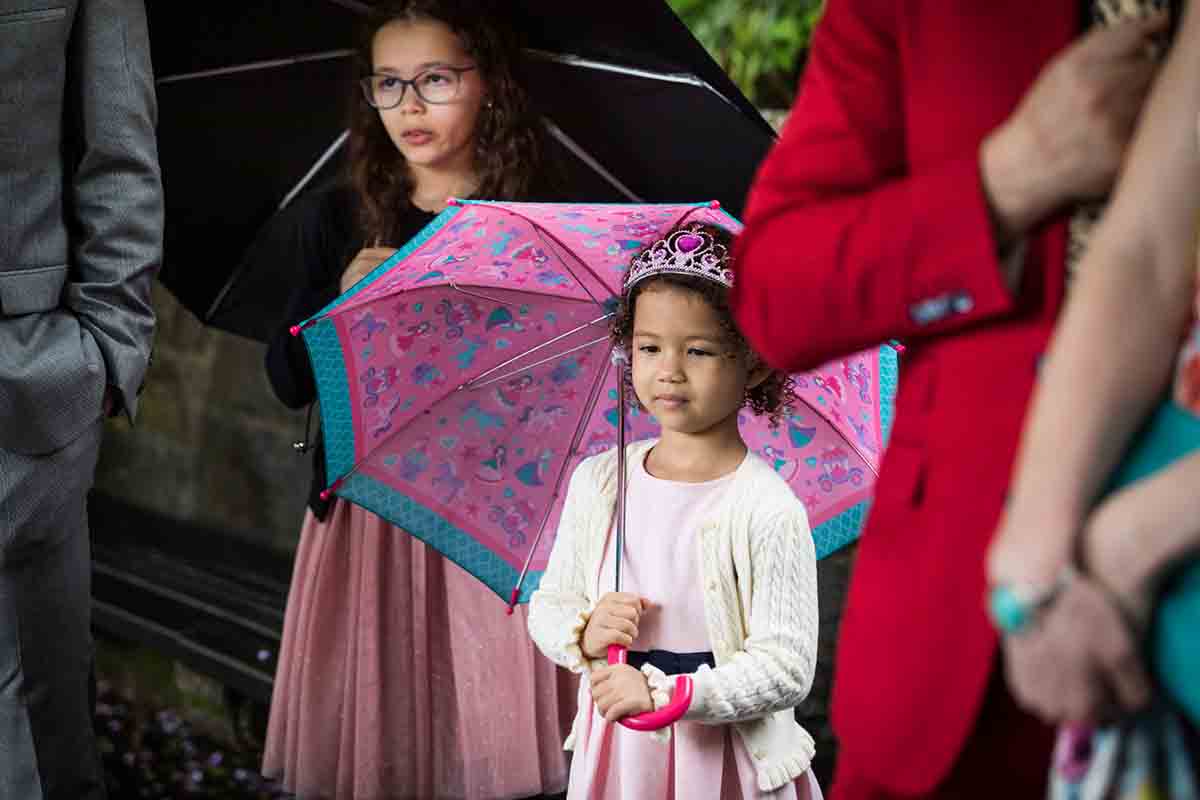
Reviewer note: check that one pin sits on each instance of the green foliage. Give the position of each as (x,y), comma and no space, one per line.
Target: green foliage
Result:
(758,42)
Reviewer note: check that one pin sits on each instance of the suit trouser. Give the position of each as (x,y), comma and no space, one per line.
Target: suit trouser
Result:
(47,746)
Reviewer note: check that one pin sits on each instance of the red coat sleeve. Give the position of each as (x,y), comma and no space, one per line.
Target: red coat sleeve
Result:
(846,243)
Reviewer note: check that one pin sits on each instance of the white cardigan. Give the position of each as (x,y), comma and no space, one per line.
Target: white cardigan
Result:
(759,576)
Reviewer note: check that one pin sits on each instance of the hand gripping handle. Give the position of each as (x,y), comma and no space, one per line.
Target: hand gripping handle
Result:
(668,714)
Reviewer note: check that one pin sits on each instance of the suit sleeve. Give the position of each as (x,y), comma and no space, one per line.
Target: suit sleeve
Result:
(840,228)
(114,188)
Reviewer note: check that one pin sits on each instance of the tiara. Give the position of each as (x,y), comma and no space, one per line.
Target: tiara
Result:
(687,251)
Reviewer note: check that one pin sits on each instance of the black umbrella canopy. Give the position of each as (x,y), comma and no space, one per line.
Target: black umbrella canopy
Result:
(659,137)
(253,98)
(251,94)
(643,34)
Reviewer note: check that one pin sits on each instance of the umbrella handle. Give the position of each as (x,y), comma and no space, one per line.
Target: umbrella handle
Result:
(665,716)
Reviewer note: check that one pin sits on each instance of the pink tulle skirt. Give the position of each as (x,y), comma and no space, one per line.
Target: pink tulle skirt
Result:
(401,676)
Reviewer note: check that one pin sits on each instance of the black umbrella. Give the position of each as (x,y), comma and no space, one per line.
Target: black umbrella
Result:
(253,102)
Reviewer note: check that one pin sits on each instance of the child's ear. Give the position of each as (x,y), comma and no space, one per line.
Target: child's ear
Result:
(759,372)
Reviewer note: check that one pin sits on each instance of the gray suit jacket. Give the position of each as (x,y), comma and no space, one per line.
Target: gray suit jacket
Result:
(80,215)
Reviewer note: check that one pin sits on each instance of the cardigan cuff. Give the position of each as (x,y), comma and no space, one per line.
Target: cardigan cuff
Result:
(699,710)
(661,686)
(577,661)
(773,774)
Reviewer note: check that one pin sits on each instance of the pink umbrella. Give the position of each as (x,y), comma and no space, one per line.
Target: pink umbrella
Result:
(462,381)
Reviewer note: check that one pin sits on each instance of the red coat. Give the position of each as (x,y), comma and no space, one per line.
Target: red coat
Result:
(868,222)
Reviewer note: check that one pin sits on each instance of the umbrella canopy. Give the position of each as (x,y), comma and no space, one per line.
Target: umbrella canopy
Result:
(462,381)
(253,99)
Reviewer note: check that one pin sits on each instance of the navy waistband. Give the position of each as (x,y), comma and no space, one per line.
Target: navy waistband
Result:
(671,663)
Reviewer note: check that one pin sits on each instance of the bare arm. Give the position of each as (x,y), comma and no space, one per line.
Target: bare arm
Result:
(1138,533)
(1113,350)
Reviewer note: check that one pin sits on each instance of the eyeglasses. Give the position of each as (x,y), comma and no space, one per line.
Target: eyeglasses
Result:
(436,86)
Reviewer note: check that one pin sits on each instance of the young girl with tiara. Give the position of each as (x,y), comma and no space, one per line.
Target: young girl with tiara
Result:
(399,673)
(718,565)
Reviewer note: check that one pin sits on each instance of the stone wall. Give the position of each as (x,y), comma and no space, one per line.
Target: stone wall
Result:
(212,445)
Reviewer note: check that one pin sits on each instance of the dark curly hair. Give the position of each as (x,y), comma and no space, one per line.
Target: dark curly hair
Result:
(510,141)
(774,397)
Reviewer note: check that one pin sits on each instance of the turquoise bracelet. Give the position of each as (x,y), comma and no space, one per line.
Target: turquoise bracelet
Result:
(1013,607)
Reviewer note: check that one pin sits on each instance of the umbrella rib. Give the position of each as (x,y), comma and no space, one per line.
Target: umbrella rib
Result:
(544,234)
(853,446)
(357,302)
(353,5)
(315,168)
(685,78)
(589,408)
(587,158)
(308,176)
(471,384)
(453,284)
(255,66)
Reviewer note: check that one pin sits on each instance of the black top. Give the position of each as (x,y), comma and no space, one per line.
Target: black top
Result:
(320,235)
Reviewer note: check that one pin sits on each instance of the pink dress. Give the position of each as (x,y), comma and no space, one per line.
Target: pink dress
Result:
(660,563)
(401,676)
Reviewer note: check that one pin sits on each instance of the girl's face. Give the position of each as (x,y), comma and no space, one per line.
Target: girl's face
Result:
(429,136)
(685,371)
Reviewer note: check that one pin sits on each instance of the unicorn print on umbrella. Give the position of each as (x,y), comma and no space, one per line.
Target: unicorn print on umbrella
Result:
(376,381)
(514,518)
(446,477)
(457,315)
(858,376)
(368,326)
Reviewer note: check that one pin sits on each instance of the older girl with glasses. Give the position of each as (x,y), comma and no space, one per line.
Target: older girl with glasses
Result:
(400,675)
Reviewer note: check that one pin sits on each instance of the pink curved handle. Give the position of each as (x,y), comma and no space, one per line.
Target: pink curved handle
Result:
(668,714)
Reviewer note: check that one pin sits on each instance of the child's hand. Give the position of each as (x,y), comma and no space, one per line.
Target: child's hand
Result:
(620,691)
(614,621)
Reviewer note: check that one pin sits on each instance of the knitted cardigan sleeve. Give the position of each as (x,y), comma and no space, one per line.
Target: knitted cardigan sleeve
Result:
(559,609)
(773,669)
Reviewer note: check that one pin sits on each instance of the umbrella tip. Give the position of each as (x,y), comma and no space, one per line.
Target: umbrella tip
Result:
(333,487)
(899,348)
(453,201)
(714,204)
(512,600)
(295,330)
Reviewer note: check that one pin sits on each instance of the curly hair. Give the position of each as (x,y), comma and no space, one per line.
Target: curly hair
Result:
(510,141)
(774,396)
